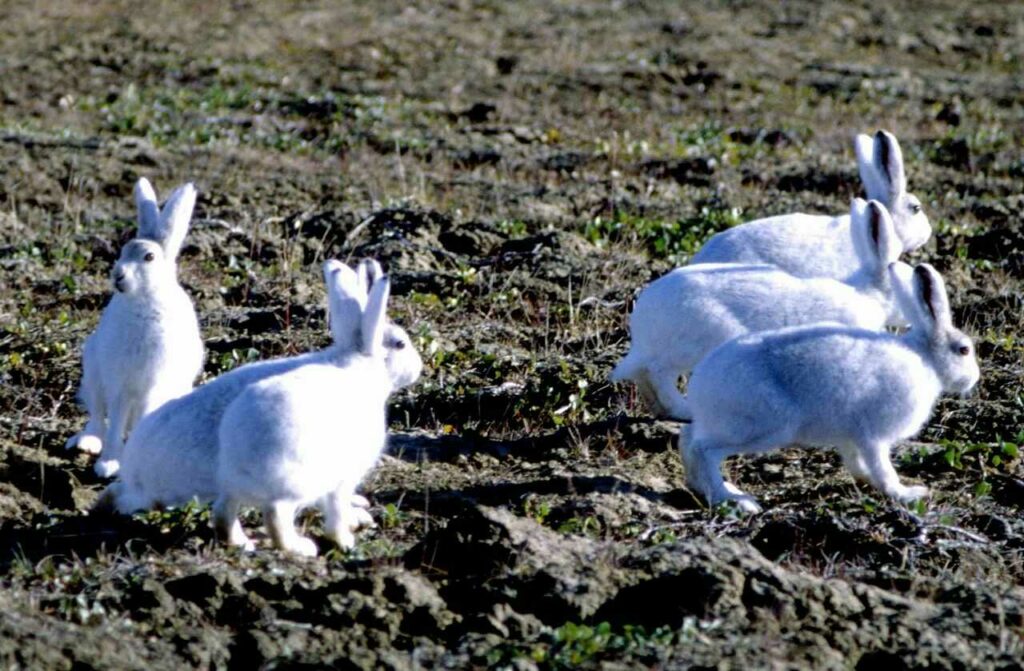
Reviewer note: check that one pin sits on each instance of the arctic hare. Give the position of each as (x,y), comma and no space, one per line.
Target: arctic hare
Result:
(146,349)
(828,384)
(306,436)
(822,246)
(171,456)
(685,314)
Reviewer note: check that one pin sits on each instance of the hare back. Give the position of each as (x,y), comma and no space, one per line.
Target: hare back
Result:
(171,455)
(686,313)
(804,245)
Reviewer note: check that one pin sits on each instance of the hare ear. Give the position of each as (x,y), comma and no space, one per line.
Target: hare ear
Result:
(369,272)
(888,161)
(149,211)
(345,303)
(860,229)
(930,291)
(375,317)
(904,283)
(175,218)
(884,243)
(874,186)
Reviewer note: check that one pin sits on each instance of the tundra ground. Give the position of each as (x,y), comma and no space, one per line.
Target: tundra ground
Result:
(521,169)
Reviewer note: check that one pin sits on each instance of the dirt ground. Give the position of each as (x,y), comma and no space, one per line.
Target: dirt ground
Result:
(521,169)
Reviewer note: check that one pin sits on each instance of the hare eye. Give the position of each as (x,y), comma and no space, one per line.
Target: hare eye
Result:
(915,208)
(148,257)
(964,350)
(398,344)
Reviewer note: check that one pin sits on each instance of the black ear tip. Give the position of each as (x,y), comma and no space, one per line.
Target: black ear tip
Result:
(926,277)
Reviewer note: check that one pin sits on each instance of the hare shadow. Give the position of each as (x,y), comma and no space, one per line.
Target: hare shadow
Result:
(652,435)
(80,536)
(640,433)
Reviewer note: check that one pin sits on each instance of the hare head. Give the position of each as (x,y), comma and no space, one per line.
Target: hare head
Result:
(880,161)
(142,268)
(921,293)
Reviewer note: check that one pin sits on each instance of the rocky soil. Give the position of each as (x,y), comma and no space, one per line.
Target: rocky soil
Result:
(521,169)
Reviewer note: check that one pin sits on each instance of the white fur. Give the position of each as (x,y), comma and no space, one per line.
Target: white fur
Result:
(146,349)
(685,314)
(828,384)
(821,246)
(307,436)
(171,457)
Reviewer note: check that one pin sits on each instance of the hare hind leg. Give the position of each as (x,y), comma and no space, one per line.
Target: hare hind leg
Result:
(661,394)
(702,460)
(854,462)
(279,517)
(343,515)
(703,455)
(227,525)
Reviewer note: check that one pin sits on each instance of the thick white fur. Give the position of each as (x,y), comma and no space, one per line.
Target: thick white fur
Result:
(828,384)
(683,315)
(146,349)
(171,457)
(306,436)
(822,246)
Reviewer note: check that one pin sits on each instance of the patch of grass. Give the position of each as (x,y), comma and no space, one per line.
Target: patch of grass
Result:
(582,525)
(513,228)
(573,645)
(536,509)
(392,516)
(960,455)
(674,240)
(999,456)
(239,113)
(188,518)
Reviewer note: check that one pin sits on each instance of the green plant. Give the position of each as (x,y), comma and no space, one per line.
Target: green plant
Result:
(573,645)
(537,510)
(675,240)
(981,454)
(236,357)
(513,228)
(182,519)
(1002,455)
(576,408)
(391,516)
(587,525)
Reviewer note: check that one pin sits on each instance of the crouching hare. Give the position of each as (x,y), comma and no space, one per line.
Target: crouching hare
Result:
(827,384)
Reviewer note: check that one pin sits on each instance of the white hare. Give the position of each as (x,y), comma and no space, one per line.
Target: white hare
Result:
(683,315)
(146,349)
(827,384)
(822,246)
(306,436)
(171,457)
